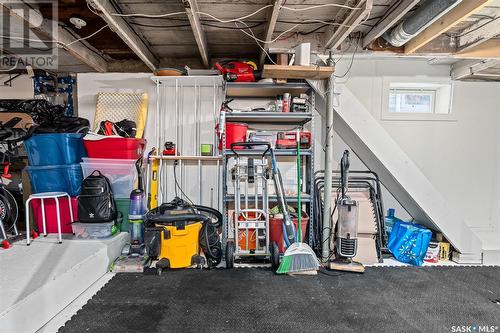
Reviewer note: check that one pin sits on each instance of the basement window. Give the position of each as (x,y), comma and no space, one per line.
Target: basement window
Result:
(417,100)
(411,101)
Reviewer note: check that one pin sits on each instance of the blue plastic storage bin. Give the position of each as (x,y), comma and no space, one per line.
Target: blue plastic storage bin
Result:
(408,242)
(55,149)
(56,178)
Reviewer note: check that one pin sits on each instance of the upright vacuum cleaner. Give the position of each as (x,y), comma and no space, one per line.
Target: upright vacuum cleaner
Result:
(136,214)
(346,228)
(133,256)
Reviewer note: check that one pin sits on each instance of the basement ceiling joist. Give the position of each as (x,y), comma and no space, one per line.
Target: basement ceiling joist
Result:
(273,13)
(176,38)
(479,33)
(456,15)
(468,68)
(192,11)
(80,50)
(126,33)
(389,21)
(334,37)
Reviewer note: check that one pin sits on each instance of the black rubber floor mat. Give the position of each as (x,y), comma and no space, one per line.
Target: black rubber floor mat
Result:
(388,299)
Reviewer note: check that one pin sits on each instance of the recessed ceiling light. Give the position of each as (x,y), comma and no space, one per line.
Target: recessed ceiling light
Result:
(77,22)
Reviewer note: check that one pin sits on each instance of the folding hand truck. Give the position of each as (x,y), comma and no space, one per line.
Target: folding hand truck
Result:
(250,222)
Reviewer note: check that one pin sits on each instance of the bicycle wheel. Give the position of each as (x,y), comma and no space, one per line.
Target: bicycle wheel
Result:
(8,209)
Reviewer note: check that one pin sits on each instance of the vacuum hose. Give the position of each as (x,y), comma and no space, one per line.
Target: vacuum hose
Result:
(210,243)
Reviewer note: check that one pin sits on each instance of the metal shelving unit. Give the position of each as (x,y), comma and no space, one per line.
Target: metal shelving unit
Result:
(273,198)
(289,118)
(256,119)
(277,152)
(259,89)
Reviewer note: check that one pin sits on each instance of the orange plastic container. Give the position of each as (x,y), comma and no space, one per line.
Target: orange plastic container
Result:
(242,236)
(252,240)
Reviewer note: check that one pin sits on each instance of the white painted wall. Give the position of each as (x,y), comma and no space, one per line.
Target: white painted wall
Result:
(460,158)
(90,84)
(189,174)
(22,87)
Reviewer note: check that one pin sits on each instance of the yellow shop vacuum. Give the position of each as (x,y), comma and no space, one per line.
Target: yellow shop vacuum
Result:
(180,235)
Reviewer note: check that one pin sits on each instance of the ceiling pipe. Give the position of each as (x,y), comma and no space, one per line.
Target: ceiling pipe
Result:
(428,12)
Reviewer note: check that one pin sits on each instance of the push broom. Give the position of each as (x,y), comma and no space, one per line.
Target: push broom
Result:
(299,258)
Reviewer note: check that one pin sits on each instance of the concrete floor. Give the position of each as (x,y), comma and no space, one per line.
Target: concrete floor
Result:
(49,282)
(40,280)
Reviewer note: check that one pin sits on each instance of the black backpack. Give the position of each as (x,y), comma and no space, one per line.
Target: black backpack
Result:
(96,203)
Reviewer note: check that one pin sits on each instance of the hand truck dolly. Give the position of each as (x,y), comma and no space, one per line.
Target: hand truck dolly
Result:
(248,228)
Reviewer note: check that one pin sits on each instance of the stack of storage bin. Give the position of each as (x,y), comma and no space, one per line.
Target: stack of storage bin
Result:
(115,158)
(54,167)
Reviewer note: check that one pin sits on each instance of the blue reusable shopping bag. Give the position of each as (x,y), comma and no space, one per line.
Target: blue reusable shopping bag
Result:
(409,242)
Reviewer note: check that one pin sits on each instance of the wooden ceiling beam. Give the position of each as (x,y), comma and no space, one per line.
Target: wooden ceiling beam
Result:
(126,33)
(467,68)
(192,11)
(272,18)
(49,30)
(397,14)
(478,33)
(456,15)
(334,36)
(489,50)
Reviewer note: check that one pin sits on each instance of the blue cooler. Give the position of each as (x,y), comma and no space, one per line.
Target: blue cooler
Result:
(55,149)
(409,242)
(56,178)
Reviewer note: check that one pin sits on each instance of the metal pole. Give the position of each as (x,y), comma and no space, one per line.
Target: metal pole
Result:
(327,211)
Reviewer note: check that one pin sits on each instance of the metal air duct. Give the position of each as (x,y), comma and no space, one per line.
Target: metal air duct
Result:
(428,12)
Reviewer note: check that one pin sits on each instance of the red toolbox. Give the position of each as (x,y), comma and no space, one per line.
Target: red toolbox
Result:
(114,147)
(51,214)
(276,229)
(288,140)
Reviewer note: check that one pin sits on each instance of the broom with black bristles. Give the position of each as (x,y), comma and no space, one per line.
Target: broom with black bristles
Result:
(299,258)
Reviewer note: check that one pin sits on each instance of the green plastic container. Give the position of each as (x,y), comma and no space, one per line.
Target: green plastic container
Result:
(123,205)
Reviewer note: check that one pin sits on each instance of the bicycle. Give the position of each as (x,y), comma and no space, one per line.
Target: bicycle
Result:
(9,209)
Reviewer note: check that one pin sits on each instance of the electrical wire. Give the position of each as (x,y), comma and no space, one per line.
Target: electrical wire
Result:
(475,29)
(84,44)
(350,65)
(92,9)
(65,45)
(207,21)
(203,23)
(87,37)
(252,35)
(239,18)
(387,13)
(320,6)
(178,186)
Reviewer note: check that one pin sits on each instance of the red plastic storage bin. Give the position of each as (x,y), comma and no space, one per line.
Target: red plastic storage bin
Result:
(113,147)
(276,231)
(51,214)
